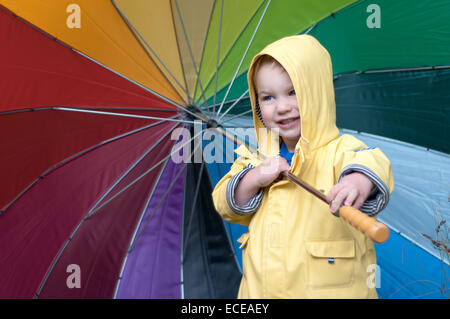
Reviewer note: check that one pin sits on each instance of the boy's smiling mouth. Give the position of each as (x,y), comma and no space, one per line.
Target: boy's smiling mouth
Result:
(289,122)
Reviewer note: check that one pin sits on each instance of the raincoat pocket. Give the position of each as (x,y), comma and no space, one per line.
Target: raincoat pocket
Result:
(330,263)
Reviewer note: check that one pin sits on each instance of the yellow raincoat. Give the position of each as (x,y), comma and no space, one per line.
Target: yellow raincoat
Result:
(295,248)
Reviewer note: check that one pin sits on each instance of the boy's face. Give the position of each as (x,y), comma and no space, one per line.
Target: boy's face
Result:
(278,102)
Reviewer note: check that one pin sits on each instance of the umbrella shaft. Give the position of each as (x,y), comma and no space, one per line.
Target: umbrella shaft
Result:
(306,186)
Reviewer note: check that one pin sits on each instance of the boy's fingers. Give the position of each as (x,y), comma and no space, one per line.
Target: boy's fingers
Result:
(333,191)
(334,206)
(337,201)
(285,167)
(331,194)
(282,164)
(273,167)
(351,197)
(359,202)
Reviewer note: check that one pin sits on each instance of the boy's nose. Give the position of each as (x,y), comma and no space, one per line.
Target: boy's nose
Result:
(283,106)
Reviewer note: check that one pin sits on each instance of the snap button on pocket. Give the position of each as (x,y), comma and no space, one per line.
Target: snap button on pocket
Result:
(330,263)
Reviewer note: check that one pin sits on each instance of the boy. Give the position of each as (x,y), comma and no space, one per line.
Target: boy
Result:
(294,248)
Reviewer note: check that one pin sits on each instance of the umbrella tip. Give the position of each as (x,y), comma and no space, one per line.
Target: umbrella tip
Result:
(192,110)
(212,123)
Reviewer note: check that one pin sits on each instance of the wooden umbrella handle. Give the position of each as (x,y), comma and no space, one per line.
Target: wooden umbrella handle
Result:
(377,231)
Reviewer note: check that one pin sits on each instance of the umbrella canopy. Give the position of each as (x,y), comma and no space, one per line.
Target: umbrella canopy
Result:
(92,203)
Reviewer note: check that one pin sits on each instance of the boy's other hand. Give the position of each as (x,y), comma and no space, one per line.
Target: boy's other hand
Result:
(270,170)
(352,190)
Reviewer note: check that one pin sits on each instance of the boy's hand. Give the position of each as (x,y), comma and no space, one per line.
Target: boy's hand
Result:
(262,175)
(270,170)
(352,190)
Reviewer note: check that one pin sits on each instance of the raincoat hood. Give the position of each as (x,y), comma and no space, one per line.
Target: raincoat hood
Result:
(308,65)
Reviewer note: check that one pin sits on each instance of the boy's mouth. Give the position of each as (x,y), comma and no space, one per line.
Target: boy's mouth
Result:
(287,123)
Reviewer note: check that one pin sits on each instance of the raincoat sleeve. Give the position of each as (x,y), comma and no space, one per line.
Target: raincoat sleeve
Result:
(223,196)
(352,155)
(252,204)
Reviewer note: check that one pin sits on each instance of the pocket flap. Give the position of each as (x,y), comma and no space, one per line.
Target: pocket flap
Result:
(243,239)
(331,248)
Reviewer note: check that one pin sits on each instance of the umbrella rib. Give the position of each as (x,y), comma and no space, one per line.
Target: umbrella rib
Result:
(209,82)
(212,105)
(138,236)
(70,158)
(240,126)
(406,69)
(47,275)
(146,88)
(235,116)
(185,242)
(235,141)
(180,58)
(165,194)
(140,177)
(414,282)
(216,75)
(232,105)
(27,110)
(347,6)
(310,28)
(31,109)
(94,208)
(238,141)
(194,202)
(137,226)
(123,115)
(203,47)
(346,74)
(123,108)
(136,32)
(96,62)
(243,57)
(190,53)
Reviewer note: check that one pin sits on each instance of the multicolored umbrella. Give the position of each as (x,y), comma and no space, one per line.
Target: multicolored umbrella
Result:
(92,203)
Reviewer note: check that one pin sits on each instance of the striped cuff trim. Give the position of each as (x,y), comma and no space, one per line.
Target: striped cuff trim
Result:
(371,207)
(253,203)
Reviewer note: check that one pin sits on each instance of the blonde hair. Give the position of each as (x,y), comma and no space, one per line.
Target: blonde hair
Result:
(264,60)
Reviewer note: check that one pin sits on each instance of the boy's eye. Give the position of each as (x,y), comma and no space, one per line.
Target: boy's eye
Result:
(267,98)
(292,92)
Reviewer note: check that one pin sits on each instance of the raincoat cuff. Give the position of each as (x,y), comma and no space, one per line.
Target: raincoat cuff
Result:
(252,204)
(378,197)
